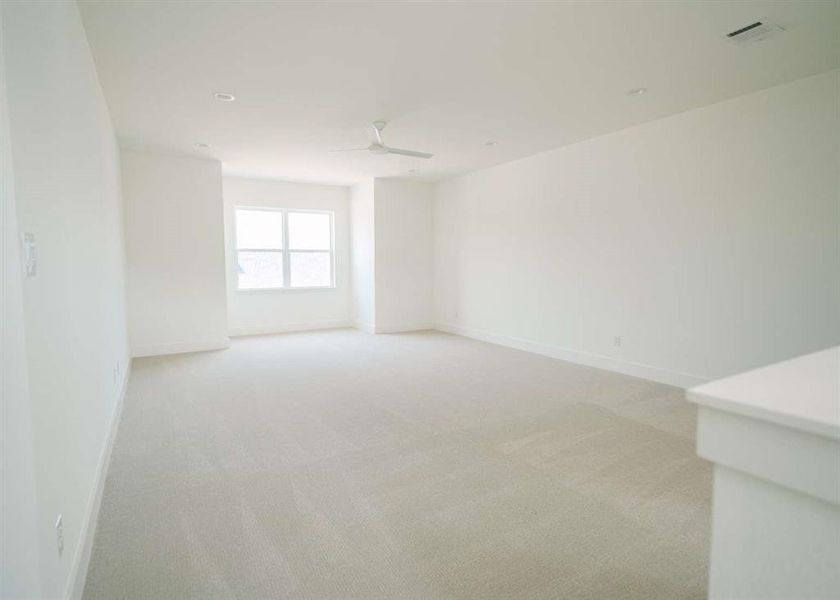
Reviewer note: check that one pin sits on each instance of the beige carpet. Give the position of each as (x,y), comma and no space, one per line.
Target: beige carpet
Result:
(343,465)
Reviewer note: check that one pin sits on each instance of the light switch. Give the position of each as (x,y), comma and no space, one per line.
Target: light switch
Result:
(30,261)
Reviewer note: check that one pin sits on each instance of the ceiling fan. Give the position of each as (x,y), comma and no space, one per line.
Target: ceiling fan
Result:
(377,147)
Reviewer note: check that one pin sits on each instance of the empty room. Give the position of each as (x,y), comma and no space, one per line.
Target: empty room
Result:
(463,300)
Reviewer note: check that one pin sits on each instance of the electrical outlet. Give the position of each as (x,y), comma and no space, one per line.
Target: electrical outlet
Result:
(617,341)
(59,535)
(30,259)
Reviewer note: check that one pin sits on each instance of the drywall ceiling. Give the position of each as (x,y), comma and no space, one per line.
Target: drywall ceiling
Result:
(449,77)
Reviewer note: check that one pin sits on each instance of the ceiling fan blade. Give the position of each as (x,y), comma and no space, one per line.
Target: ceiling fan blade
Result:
(350,149)
(413,153)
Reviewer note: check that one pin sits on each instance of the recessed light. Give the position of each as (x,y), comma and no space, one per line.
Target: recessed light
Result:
(637,92)
(492,143)
(224,96)
(201,145)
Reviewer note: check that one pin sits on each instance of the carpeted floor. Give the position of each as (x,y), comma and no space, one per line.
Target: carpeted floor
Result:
(341,465)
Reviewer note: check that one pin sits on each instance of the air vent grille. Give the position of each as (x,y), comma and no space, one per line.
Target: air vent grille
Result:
(754,32)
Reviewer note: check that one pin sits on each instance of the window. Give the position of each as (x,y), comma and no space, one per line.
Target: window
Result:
(283,249)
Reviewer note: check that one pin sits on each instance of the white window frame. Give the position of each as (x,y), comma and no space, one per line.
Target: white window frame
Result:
(286,250)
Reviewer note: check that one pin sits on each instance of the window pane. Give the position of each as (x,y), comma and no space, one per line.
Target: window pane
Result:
(260,270)
(310,269)
(309,231)
(259,229)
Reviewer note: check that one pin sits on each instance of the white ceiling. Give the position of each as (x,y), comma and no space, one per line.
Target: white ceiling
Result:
(449,77)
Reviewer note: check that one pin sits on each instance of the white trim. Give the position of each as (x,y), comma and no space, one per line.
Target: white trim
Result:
(178,348)
(404,327)
(288,327)
(284,289)
(609,363)
(75,585)
(366,327)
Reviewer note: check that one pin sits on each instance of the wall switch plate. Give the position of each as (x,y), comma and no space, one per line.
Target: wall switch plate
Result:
(59,535)
(30,260)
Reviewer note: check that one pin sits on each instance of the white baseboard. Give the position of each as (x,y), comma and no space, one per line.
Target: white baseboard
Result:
(366,327)
(403,327)
(178,348)
(78,572)
(393,328)
(609,363)
(288,327)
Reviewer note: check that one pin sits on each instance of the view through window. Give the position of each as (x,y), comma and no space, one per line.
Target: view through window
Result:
(283,248)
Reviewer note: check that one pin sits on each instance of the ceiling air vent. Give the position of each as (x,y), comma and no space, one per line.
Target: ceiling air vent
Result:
(754,32)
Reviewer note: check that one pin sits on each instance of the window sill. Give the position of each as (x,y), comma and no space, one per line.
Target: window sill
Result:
(285,289)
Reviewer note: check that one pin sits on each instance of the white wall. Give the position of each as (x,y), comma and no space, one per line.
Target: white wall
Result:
(709,241)
(67,188)
(404,280)
(177,299)
(362,256)
(268,311)
(18,498)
